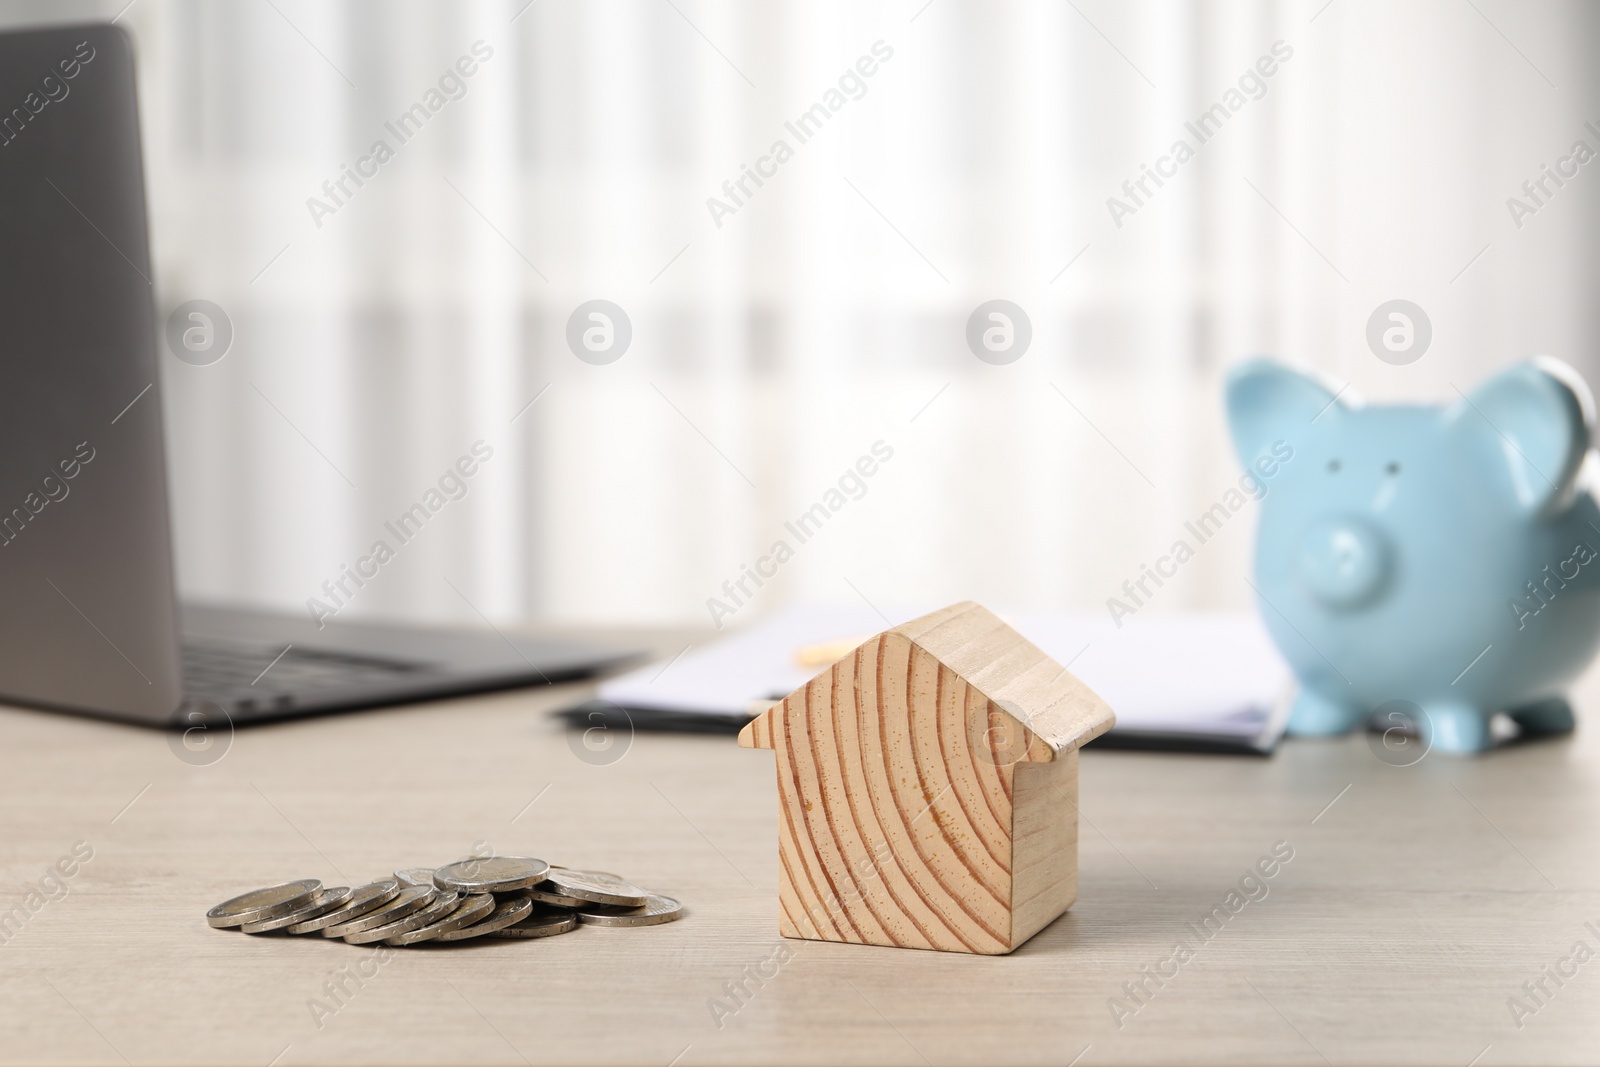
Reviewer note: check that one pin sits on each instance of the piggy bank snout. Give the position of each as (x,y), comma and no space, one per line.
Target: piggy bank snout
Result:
(1344,561)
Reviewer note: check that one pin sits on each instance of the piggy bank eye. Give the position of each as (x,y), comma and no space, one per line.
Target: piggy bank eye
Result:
(1393,468)
(1333,466)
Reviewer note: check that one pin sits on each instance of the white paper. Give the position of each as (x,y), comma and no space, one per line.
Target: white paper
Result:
(1209,676)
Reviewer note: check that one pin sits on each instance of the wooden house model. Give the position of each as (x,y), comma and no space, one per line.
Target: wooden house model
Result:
(928,788)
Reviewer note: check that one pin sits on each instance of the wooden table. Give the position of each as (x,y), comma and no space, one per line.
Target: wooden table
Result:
(1418,901)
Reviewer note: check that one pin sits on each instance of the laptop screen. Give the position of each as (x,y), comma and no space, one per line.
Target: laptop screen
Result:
(87,606)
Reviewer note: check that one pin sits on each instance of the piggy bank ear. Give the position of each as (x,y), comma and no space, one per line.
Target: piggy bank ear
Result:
(1539,418)
(1269,402)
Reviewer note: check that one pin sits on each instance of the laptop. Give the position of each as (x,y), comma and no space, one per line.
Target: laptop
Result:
(89,617)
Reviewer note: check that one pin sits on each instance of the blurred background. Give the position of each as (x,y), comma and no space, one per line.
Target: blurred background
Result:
(775,342)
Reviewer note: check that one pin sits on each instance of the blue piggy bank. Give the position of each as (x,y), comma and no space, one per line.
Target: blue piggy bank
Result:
(1443,556)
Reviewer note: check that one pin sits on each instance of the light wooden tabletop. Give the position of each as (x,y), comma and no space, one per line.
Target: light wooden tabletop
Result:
(1418,902)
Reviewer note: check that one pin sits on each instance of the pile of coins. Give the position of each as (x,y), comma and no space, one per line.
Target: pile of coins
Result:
(498,896)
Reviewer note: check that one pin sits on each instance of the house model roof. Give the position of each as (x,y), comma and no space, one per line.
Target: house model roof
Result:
(1057,710)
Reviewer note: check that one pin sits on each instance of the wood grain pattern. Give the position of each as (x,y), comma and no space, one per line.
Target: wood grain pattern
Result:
(1044,843)
(901,822)
(1013,672)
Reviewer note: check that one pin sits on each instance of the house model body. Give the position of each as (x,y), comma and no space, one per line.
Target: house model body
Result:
(928,788)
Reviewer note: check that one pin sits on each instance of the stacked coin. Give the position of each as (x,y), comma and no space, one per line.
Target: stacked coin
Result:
(496,896)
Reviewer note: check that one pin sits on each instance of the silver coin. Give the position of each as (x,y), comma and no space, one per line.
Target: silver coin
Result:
(410,876)
(468,910)
(547,924)
(659,910)
(408,900)
(363,900)
(324,902)
(505,913)
(595,887)
(544,895)
(260,904)
(492,874)
(441,905)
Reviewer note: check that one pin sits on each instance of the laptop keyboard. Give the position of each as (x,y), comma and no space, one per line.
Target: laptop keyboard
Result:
(247,679)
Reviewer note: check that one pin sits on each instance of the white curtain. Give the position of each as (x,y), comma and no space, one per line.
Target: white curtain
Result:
(776,339)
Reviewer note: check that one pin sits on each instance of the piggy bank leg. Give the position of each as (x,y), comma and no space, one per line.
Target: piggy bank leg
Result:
(1460,728)
(1314,715)
(1553,716)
